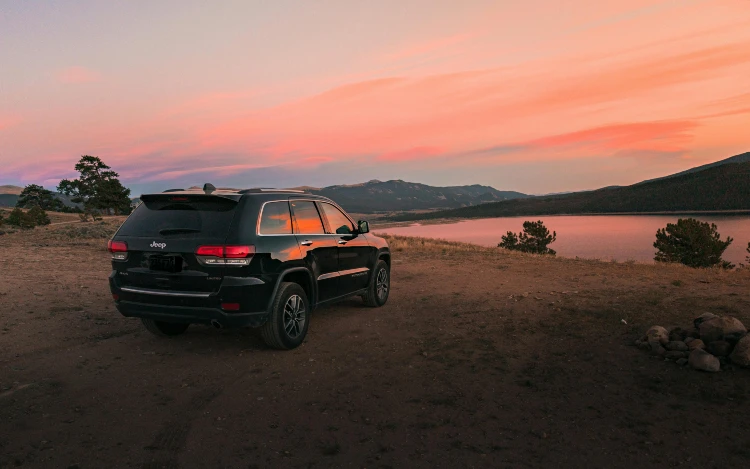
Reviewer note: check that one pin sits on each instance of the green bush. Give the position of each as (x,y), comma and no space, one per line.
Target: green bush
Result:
(38,215)
(21,219)
(534,239)
(692,243)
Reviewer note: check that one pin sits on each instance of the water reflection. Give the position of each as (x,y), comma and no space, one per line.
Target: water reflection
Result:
(620,237)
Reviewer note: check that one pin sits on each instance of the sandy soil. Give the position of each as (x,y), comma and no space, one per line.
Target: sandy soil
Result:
(481,358)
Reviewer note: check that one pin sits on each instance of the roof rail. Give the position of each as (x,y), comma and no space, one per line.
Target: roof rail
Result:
(258,191)
(172,190)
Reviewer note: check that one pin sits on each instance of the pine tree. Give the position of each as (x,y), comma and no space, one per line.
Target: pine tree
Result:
(98,188)
(692,243)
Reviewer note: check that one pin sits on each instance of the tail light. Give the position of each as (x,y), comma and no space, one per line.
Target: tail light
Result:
(119,250)
(225,255)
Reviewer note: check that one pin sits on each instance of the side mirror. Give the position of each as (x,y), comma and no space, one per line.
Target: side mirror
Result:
(363,227)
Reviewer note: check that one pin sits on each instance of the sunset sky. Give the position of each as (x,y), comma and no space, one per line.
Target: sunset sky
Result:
(537,96)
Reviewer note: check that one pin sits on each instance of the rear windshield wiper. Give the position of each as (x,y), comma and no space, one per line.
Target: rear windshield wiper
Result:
(169,231)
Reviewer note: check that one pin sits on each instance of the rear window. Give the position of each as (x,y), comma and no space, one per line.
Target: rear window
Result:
(275,219)
(189,219)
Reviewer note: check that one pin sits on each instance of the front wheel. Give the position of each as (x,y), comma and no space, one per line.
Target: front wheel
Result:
(162,328)
(287,325)
(380,286)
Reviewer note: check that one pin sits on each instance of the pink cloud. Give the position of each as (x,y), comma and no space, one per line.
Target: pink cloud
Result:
(669,136)
(416,153)
(77,75)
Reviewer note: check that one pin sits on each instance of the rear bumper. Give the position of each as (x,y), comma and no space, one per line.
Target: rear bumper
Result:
(192,315)
(197,308)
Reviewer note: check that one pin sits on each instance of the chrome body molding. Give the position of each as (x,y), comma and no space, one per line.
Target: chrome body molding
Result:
(147,291)
(341,273)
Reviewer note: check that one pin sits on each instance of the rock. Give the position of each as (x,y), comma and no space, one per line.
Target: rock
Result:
(741,353)
(675,355)
(676,345)
(677,334)
(696,344)
(658,333)
(694,333)
(716,328)
(704,361)
(656,348)
(720,348)
(688,340)
(703,317)
(734,337)
(682,361)
(644,346)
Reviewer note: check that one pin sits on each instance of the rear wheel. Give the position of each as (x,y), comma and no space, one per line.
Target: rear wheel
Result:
(162,328)
(287,325)
(380,286)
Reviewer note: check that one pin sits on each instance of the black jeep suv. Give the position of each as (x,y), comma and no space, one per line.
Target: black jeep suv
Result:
(252,258)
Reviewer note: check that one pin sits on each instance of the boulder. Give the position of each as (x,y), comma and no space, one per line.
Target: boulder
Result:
(643,345)
(704,361)
(716,328)
(741,353)
(697,343)
(682,361)
(656,348)
(675,355)
(677,334)
(688,340)
(658,333)
(676,345)
(720,348)
(703,317)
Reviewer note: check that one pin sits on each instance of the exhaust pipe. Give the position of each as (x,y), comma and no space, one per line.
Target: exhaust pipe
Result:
(216,324)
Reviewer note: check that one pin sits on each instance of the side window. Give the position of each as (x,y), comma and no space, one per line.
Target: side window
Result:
(275,219)
(307,217)
(337,220)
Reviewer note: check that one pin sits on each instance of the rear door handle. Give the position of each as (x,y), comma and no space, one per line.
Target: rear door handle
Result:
(341,241)
(306,242)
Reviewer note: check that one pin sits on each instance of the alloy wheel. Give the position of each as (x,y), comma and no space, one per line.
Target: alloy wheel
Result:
(294,316)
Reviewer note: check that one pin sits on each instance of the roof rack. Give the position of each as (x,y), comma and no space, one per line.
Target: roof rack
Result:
(172,190)
(258,191)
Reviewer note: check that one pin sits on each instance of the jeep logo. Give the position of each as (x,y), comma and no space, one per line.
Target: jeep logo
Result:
(158,245)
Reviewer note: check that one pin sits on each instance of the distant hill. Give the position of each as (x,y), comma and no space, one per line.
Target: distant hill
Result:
(9,196)
(8,189)
(717,187)
(398,195)
(742,158)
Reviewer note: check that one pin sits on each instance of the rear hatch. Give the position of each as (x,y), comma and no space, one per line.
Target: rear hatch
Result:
(163,235)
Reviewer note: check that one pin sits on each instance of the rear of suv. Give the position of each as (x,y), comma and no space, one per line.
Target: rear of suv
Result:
(254,258)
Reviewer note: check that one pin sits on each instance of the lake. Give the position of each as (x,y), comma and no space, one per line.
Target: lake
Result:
(607,237)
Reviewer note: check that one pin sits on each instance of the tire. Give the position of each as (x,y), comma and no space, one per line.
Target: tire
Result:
(165,329)
(377,296)
(287,325)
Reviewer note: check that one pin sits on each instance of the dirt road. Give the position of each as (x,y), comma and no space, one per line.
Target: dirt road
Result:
(480,359)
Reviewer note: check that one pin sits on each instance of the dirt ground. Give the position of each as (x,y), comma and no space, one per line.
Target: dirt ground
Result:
(481,358)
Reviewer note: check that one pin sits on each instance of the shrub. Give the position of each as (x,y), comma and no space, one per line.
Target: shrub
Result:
(534,239)
(748,251)
(692,243)
(38,215)
(21,219)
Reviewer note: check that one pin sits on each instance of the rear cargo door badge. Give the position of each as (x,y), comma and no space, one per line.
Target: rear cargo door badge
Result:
(158,245)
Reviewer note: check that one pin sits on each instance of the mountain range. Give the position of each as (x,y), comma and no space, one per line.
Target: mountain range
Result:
(720,186)
(398,195)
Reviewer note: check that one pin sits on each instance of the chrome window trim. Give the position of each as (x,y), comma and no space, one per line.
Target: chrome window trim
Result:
(260,216)
(291,214)
(146,291)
